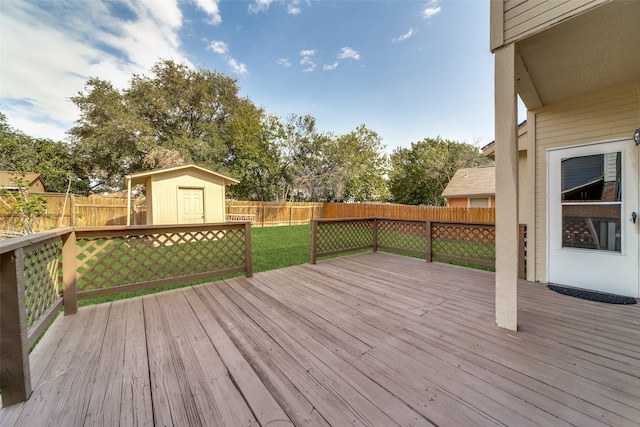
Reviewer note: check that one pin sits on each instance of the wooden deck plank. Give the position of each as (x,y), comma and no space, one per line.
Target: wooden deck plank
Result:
(262,403)
(208,394)
(274,367)
(63,393)
(110,401)
(346,404)
(328,355)
(368,339)
(449,409)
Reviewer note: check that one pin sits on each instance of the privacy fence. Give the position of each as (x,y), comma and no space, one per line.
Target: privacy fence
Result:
(75,211)
(68,210)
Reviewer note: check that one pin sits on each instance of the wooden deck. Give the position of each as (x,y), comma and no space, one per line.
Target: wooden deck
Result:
(370,339)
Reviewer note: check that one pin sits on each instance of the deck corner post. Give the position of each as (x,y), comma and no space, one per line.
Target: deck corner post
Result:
(506,143)
(70,293)
(314,231)
(429,252)
(15,375)
(374,236)
(248,260)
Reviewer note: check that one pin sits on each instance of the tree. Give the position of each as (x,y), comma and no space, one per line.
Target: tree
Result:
(358,166)
(420,174)
(52,160)
(192,113)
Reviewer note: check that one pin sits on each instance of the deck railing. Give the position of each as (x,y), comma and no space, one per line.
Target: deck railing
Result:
(41,273)
(469,243)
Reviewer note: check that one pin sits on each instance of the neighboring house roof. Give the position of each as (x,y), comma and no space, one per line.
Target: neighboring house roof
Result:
(472,182)
(490,149)
(140,177)
(7,180)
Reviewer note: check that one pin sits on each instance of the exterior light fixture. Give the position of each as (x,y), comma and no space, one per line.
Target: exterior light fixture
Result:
(636,136)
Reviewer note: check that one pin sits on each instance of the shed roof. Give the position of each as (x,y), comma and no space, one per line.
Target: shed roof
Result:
(140,177)
(7,179)
(466,182)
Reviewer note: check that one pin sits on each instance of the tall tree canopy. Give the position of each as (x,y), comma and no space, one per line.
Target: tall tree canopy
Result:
(52,160)
(420,174)
(177,113)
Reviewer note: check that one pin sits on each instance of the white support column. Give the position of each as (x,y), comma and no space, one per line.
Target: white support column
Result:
(506,154)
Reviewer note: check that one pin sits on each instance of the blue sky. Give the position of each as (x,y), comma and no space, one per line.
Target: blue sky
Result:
(406,69)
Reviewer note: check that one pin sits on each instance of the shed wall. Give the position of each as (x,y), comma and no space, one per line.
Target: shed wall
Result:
(606,115)
(164,188)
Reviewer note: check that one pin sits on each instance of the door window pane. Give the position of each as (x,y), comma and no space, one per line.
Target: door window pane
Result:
(591,202)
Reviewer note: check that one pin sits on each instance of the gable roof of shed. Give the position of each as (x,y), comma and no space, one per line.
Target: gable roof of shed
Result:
(140,177)
(30,178)
(466,182)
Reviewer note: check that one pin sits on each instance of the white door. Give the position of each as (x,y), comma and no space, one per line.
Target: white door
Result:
(190,205)
(592,216)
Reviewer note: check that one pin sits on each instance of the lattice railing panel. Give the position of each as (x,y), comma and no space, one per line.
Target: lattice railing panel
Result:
(42,279)
(409,236)
(105,262)
(340,236)
(464,241)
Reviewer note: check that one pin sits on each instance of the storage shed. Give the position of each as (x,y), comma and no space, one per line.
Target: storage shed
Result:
(181,195)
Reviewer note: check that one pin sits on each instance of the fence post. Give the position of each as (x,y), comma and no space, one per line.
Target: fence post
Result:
(70,293)
(15,375)
(429,254)
(248,260)
(375,235)
(314,231)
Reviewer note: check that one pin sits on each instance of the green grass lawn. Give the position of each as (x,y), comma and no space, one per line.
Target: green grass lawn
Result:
(278,247)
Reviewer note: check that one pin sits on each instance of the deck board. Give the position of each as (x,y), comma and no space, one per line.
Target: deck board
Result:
(369,339)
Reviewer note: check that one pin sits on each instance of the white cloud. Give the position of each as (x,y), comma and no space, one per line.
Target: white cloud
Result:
(237,67)
(348,53)
(210,7)
(222,49)
(50,50)
(293,9)
(283,62)
(432,9)
(293,6)
(403,37)
(219,47)
(328,67)
(307,59)
(260,5)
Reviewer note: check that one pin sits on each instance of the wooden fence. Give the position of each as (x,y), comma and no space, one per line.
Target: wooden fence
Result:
(77,211)
(276,213)
(420,213)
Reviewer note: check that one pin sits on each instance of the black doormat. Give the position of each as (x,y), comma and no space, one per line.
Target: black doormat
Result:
(593,296)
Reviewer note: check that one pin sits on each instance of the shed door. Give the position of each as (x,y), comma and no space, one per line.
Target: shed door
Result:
(593,237)
(190,205)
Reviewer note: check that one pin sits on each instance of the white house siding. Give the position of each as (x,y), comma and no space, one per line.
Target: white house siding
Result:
(601,116)
(526,17)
